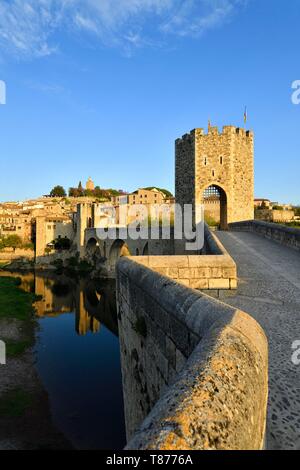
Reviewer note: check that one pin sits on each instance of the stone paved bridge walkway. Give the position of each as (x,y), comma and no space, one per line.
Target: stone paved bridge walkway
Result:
(269,290)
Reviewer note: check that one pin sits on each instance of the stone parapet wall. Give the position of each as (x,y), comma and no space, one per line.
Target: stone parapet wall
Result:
(212,270)
(194,369)
(286,236)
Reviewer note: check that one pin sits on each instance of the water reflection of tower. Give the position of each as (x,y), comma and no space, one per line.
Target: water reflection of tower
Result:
(84,321)
(56,297)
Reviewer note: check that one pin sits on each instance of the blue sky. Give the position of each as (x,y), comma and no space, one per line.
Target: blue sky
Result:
(102,88)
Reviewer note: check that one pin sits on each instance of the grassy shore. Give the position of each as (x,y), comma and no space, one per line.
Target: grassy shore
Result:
(14,302)
(25,419)
(16,305)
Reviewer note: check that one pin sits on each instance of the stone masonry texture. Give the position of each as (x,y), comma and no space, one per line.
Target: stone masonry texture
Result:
(194,369)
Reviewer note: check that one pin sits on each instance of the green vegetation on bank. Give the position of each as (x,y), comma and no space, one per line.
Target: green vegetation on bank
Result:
(17,348)
(14,302)
(14,403)
(72,266)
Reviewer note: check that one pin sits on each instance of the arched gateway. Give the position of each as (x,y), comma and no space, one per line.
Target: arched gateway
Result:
(214,200)
(119,248)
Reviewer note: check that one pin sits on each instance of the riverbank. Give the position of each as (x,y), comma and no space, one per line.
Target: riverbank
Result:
(24,409)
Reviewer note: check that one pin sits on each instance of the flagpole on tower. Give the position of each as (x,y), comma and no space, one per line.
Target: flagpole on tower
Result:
(245,115)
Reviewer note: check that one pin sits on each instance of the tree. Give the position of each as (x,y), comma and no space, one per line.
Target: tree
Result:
(11,241)
(80,189)
(263,205)
(62,243)
(297,211)
(58,191)
(73,192)
(89,193)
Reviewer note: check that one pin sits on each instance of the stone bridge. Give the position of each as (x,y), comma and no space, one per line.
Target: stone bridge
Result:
(113,248)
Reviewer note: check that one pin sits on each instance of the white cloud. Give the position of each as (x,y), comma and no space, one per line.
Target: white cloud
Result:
(194,18)
(33,27)
(45,87)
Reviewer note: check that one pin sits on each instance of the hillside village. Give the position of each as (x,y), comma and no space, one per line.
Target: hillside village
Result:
(38,227)
(41,225)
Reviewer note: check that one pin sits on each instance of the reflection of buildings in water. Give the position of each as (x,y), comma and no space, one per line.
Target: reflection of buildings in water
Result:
(27,280)
(84,321)
(56,299)
(92,301)
(100,302)
(64,296)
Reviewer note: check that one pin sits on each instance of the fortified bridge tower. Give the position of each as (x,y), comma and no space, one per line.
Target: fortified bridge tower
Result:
(217,170)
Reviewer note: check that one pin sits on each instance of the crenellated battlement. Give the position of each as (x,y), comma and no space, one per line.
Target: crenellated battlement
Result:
(214,131)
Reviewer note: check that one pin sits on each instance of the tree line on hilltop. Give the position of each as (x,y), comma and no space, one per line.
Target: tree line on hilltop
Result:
(59,191)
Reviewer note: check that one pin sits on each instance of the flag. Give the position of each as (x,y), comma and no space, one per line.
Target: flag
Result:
(245,115)
(209,124)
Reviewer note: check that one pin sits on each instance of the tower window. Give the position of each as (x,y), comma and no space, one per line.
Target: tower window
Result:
(221,160)
(213,173)
(205,161)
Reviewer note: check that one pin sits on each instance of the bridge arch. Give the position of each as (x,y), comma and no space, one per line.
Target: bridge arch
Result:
(92,296)
(214,199)
(119,248)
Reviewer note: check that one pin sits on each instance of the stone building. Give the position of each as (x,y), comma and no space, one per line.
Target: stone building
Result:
(143,196)
(217,166)
(147,196)
(261,202)
(90,186)
(18,224)
(51,228)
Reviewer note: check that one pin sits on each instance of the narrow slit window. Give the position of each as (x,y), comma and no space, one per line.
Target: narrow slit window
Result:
(221,160)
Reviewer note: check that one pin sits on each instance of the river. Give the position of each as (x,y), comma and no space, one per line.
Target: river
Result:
(78,358)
